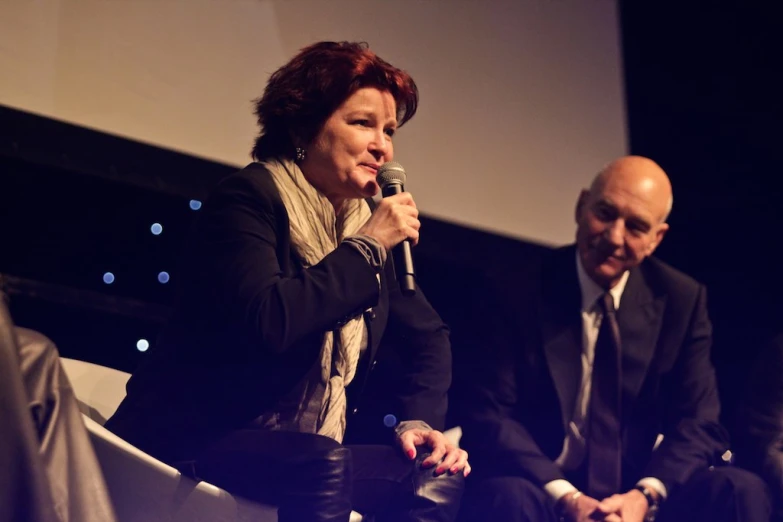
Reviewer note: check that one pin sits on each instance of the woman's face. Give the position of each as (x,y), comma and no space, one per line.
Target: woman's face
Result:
(343,159)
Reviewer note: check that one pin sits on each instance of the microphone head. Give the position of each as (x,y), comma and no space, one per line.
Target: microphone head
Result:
(389,173)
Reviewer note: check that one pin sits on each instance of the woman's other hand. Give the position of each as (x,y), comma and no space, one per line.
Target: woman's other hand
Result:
(446,455)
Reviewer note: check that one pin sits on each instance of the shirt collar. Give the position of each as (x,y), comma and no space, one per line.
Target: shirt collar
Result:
(591,291)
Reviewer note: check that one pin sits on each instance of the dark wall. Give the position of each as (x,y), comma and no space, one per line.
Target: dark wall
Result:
(704,99)
(75,204)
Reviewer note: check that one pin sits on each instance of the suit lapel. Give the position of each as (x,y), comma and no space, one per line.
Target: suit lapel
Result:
(561,329)
(639,317)
(377,318)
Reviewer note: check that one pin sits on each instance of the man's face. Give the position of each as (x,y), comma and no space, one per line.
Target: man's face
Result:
(618,225)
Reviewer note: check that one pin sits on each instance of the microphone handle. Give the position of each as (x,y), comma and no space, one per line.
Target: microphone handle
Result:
(401,253)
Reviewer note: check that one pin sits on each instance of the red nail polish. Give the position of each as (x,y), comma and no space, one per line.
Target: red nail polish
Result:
(411,453)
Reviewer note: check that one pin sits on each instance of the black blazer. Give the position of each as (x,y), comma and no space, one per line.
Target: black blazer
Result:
(527,380)
(760,426)
(249,325)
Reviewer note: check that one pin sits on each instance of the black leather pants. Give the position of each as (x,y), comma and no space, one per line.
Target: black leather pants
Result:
(314,479)
(387,487)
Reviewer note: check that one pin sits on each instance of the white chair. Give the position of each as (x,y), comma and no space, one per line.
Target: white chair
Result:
(143,488)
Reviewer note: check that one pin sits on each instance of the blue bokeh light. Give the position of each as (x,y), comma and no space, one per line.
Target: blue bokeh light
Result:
(195,204)
(163,277)
(108,278)
(142,345)
(156,229)
(389,420)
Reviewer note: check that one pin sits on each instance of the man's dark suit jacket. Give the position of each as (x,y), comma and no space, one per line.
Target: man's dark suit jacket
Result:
(529,372)
(760,427)
(250,322)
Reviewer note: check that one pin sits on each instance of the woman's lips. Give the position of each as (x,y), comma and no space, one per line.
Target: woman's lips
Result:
(372,168)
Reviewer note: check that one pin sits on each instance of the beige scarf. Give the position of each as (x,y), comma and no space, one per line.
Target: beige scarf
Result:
(316,230)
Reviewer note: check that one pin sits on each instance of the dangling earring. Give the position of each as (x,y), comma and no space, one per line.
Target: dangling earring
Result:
(301,154)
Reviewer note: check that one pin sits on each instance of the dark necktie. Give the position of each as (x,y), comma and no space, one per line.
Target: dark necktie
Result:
(604,441)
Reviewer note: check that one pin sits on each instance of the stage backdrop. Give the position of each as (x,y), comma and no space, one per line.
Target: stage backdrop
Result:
(521,101)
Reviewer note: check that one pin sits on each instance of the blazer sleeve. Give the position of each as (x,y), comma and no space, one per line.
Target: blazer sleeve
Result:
(488,397)
(498,443)
(422,340)
(242,238)
(760,437)
(692,432)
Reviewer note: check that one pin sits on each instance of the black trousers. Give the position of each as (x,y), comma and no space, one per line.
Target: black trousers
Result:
(718,495)
(315,479)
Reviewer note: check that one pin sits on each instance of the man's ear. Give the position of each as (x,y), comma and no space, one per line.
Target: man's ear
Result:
(581,202)
(662,228)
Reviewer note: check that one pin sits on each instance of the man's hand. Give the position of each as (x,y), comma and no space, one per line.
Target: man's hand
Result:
(630,507)
(577,507)
(445,454)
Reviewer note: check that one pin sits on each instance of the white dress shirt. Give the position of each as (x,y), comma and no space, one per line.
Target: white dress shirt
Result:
(575,445)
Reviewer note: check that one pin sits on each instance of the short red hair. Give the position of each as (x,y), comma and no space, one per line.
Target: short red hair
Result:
(301,95)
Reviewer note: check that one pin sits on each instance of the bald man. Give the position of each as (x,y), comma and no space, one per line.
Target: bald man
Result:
(586,363)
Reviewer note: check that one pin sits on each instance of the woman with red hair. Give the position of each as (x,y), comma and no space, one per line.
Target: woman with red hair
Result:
(263,381)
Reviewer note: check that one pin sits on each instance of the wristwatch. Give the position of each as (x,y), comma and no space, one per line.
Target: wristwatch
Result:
(652,503)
